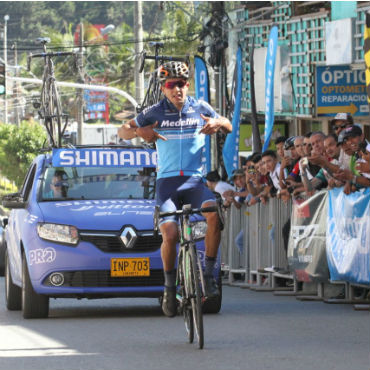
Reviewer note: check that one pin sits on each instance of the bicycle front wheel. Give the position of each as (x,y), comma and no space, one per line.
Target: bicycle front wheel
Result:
(185,289)
(196,294)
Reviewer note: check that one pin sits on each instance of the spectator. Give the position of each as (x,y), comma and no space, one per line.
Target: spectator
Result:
(353,139)
(340,122)
(307,144)
(215,184)
(329,163)
(272,167)
(279,143)
(236,196)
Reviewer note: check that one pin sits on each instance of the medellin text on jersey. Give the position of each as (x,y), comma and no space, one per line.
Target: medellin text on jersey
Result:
(181,154)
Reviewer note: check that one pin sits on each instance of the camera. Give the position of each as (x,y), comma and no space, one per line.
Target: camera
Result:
(251,170)
(362,147)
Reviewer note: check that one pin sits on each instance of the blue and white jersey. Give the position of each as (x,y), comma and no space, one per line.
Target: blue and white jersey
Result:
(181,154)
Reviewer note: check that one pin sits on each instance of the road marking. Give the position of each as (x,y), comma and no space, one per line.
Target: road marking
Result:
(24,342)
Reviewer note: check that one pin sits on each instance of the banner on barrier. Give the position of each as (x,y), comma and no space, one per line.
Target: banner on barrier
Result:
(348,236)
(306,248)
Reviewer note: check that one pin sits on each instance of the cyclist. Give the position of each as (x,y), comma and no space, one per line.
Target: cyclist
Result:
(178,124)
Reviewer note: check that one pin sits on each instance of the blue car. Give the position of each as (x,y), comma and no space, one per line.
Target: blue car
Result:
(82,227)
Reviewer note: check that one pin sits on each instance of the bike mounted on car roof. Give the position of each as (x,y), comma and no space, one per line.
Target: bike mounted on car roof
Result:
(50,107)
(153,93)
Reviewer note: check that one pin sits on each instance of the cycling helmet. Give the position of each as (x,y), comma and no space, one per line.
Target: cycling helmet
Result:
(173,70)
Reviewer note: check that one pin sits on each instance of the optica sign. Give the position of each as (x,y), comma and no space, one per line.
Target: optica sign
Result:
(340,89)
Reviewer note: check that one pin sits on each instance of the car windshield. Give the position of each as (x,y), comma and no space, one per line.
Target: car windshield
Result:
(97,183)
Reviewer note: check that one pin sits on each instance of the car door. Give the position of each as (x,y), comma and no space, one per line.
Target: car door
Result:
(17,218)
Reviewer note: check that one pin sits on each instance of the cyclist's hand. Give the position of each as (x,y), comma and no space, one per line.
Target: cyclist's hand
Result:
(149,134)
(212,125)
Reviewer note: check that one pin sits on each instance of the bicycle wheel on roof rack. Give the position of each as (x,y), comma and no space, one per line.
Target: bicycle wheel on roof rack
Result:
(52,112)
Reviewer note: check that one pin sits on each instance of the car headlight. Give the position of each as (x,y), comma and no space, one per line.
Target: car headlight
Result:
(58,233)
(199,229)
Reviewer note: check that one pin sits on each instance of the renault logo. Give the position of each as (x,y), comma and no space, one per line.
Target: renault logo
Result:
(128,237)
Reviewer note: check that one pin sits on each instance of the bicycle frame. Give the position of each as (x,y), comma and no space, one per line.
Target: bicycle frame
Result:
(50,109)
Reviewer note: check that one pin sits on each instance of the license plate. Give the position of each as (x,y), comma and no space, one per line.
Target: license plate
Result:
(129,267)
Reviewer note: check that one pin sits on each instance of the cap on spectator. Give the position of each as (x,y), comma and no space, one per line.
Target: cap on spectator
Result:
(238,172)
(351,131)
(289,143)
(342,117)
(213,176)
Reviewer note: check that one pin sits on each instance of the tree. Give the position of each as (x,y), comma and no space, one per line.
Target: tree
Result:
(18,148)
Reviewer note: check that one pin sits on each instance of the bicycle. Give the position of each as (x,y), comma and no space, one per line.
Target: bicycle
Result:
(189,275)
(50,109)
(153,93)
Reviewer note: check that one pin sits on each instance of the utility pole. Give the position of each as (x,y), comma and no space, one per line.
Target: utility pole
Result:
(138,28)
(139,77)
(80,93)
(6,18)
(16,88)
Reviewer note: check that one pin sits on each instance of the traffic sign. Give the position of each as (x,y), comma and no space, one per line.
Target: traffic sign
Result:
(339,89)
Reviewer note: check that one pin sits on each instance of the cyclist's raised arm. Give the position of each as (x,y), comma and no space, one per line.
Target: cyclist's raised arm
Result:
(128,130)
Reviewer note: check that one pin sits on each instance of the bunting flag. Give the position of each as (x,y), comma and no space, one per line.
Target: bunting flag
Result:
(269,85)
(230,150)
(202,93)
(367,54)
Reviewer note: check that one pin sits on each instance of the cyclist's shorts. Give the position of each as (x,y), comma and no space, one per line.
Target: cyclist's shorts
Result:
(173,192)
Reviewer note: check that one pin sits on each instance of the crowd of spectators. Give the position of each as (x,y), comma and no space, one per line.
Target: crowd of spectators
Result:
(301,166)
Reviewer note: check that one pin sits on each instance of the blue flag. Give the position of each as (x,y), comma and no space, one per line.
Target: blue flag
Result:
(230,150)
(202,93)
(269,85)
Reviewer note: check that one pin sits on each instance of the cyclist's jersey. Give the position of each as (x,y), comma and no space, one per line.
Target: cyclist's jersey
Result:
(181,154)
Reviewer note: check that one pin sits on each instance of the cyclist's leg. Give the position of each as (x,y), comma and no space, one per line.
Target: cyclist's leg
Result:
(169,229)
(198,195)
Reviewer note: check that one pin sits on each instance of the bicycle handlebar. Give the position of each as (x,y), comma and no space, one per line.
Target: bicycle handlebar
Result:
(189,211)
(49,54)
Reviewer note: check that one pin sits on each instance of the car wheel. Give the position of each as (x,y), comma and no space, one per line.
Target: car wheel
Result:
(13,293)
(35,306)
(213,305)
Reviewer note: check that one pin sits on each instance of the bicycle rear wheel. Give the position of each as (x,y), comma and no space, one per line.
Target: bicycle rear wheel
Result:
(52,112)
(196,295)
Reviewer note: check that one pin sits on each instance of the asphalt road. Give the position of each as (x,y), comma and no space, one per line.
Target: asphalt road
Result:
(255,330)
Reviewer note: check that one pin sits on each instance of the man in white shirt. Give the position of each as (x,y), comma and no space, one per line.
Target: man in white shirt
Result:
(215,184)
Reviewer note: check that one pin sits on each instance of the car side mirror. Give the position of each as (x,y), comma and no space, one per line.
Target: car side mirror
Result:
(13,200)
(4,222)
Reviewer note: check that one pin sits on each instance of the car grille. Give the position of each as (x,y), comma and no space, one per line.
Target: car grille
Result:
(102,278)
(111,243)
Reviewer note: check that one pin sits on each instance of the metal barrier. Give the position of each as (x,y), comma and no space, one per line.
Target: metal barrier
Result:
(263,244)
(263,247)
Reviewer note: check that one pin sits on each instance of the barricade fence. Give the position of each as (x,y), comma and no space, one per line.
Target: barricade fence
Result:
(314,252)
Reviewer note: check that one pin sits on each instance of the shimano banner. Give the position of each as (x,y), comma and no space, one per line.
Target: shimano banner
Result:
(348,236)
(307,240)
(202,93)
(64,157)
(269,85)
(230,150)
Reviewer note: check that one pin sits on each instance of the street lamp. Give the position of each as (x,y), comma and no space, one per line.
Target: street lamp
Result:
(6,18)
(107,29)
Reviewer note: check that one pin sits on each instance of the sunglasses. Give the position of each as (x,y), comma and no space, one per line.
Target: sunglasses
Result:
(172,84)
(337,127)
(60,183)
(57,184)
